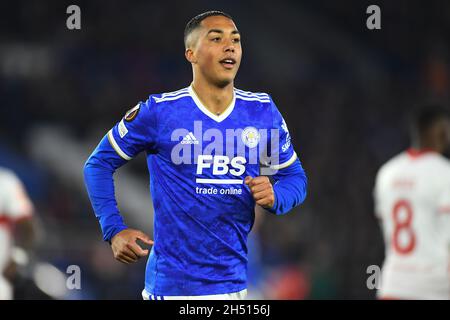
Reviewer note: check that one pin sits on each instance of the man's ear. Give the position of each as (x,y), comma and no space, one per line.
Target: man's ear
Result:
(190,55)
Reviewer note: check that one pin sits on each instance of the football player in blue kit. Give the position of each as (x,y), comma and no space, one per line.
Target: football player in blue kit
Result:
(210,150)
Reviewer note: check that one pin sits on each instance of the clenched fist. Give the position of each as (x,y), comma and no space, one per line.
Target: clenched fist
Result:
(126,249)
(262,191)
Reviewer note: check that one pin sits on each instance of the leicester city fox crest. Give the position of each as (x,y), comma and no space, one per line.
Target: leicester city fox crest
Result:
(250,137)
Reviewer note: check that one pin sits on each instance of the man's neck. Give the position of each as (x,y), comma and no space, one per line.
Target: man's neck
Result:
(214,98)
(427,147)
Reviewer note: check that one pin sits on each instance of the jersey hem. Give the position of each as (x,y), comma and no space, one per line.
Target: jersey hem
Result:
(193,294)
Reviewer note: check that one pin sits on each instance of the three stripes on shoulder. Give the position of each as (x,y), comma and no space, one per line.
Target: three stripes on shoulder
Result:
(251,96)
(239,94)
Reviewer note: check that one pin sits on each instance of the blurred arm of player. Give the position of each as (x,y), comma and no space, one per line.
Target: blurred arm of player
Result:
(288,191)
(20,210)
(444,217)
(24,240)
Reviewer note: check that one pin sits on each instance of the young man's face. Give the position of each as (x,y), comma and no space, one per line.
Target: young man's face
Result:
(215,51)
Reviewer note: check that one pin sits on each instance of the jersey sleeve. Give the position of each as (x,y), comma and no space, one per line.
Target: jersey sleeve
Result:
(136,132)
(376,196)
(280,146)
(443,212)
(16,204)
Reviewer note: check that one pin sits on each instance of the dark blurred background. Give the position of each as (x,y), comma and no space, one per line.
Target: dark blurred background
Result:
(345,92)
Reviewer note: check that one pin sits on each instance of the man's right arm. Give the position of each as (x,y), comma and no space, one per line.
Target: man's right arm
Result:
(136,132)
(98,176)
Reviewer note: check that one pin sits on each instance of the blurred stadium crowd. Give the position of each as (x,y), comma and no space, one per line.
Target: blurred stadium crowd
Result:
(345,92)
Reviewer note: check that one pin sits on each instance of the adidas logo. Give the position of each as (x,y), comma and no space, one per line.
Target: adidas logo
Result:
(189,139)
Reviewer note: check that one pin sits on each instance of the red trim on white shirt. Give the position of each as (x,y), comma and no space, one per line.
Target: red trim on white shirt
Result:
(5,220)
(416,153)
(8,221)
(444,209)
(387,297)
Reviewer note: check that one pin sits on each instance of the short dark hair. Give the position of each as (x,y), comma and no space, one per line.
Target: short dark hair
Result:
(194,23)
(426,116)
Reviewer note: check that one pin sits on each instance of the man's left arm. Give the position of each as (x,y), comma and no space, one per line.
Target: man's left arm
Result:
(289,179)
(289,188)
(287,191)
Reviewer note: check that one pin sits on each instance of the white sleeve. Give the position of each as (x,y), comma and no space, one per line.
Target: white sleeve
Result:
(376,196)
(15,203)
(443,212)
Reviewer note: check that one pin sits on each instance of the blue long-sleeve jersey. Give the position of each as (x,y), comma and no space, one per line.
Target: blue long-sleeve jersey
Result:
(197,162)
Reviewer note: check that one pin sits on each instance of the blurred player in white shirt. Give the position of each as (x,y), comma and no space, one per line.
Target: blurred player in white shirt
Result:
(16,211)
(412,199)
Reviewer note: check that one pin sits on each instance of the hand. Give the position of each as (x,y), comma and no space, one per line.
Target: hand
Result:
(10,271)
(262,190)
(126,249)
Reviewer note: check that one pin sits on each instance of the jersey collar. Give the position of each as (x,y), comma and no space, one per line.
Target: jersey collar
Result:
(201,106)
(416,153)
